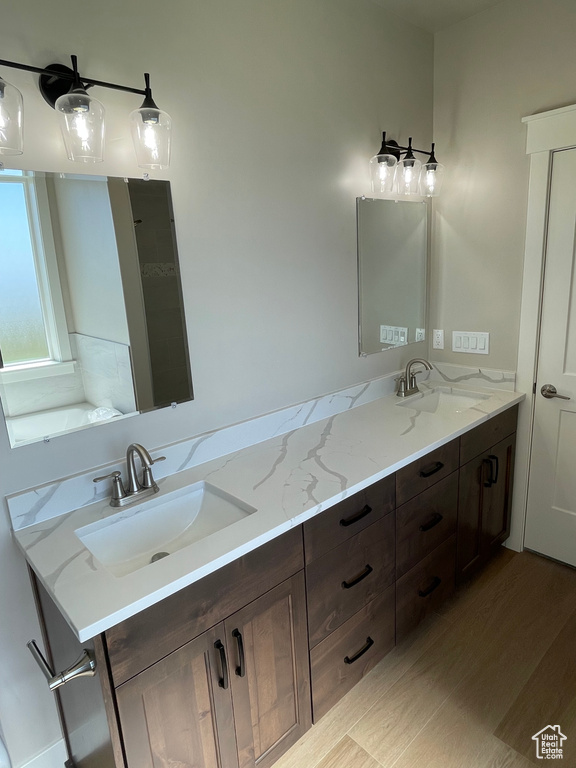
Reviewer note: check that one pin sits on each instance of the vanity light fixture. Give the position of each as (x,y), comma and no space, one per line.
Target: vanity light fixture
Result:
(390,173)
(81,116)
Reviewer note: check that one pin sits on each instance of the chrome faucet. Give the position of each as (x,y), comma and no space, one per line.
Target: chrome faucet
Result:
(137,489)
(407,383)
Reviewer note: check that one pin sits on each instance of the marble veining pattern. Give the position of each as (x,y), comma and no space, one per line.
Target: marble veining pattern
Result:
(287,479)
(79,490)
(479,377)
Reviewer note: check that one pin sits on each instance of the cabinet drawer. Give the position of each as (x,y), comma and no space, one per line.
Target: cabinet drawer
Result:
(424,472)
(344,657)
(348,577)
(425,587)
(481,438)
(425,522)
(337,524)
(143,639)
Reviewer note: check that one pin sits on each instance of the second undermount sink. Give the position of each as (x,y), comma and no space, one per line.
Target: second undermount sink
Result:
(444,401)
(139,536)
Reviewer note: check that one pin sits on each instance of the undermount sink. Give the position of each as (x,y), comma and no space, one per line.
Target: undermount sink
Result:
(444,401)
(139,536)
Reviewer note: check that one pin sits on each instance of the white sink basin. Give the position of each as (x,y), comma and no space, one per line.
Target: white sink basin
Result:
(444,401)
(130,539)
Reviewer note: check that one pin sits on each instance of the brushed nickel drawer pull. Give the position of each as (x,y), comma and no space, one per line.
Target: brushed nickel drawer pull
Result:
(346,521)
(431,469)
(361,576)
(434,584)
(361,652)
(434,520)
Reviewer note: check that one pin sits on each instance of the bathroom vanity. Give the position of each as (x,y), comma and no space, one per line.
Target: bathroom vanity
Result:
(232,669)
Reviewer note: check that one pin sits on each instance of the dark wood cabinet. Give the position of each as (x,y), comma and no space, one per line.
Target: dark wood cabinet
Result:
(179,711)
(485,497)
(238,696)
(225,672)
(270,681)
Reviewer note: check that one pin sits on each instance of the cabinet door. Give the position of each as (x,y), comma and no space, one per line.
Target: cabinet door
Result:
(268,652)
(484,505)
(179,711)
(473,477)
(496,512)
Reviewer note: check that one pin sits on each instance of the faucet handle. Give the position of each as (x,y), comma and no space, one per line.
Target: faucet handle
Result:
(118,491)
(147,479)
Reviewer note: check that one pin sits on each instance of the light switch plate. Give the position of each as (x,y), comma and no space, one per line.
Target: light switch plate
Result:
(393,335)
(471,342)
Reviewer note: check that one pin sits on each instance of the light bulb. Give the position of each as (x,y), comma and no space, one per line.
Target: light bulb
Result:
(82,125)
(151,134)
(382,171)
(407,176)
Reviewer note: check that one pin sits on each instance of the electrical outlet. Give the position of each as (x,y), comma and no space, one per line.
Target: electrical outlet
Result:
(420,334)
(437,339)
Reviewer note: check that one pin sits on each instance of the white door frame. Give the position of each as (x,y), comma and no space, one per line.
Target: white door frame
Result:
(546,132)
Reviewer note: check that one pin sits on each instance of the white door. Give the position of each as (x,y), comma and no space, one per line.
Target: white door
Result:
(551,515)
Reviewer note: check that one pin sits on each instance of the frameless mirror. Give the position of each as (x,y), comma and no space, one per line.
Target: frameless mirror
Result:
(92,322)
(392,267)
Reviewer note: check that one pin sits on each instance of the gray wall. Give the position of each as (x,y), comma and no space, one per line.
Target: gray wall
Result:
(277,106)
(510,61)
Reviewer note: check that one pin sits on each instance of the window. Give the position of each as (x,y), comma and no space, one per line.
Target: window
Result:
(32,322)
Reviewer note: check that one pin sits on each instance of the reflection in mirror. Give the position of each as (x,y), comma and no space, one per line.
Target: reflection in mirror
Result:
(91,314)
(392,266)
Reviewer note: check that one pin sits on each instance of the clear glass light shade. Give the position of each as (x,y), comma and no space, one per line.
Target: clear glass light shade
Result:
(408,176)
(11,112)
(431,177)
(82,123)
(151,134)
(382,171)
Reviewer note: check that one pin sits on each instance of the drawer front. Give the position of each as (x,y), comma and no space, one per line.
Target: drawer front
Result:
(483,437)
(344,657)
(423,523)
(342,521)
(348,577)
(424,472)
(425,587)
(143,639)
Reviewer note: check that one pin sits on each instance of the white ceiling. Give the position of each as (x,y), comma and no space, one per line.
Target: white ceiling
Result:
(434,15)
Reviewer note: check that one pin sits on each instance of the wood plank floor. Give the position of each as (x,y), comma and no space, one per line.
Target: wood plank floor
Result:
(470,687)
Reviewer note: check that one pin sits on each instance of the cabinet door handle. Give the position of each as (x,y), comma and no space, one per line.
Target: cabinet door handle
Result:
(431,469)
(489,481)
(494,472)
(346,521)
(434,584)
(361,576)
(241,668)
(361,652)
(223,681)
(434,520)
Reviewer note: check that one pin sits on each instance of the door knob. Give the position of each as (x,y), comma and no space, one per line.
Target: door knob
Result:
(549,391)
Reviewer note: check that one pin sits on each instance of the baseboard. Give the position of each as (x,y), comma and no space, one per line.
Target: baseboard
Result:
(53,757)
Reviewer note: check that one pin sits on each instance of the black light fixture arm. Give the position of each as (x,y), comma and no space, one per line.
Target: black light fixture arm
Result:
(58,79)
(392,147)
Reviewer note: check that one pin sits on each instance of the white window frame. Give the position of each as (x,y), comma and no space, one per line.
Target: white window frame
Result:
(48,280)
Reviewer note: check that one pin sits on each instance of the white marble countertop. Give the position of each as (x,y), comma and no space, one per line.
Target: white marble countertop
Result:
(287,479)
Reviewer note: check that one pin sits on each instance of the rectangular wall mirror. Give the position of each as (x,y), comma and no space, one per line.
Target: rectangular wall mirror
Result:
(92,323)
(392,270)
